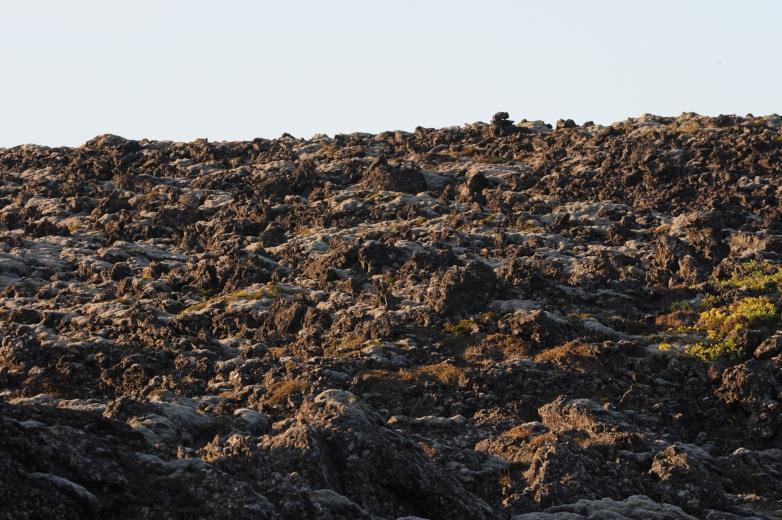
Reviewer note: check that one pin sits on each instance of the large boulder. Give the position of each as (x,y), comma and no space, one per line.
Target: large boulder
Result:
(383,177)
(339,443)
(637,507)
(462,290)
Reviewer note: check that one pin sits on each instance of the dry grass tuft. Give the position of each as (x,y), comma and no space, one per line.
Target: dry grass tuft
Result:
(279,393)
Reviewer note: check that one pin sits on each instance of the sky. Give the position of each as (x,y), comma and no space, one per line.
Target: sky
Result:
(236,70)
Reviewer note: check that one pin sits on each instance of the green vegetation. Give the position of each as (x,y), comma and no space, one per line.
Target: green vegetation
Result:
(712,351)
(745,311)
(714,326)
(723,325)
(461,327)
(755,276)
(698,305)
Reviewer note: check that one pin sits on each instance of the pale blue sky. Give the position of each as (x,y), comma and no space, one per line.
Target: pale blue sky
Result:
(230,69)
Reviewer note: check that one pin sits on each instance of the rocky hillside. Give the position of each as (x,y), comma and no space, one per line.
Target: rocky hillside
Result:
(496,321)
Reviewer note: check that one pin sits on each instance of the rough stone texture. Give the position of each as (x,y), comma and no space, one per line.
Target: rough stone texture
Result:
(637,507)
(487,321)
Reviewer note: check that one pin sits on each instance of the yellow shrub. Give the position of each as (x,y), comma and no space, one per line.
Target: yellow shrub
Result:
(713,351)
(740,314)
(723,324)
(755,276)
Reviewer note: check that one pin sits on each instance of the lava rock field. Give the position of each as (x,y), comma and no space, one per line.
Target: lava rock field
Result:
(495,321)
